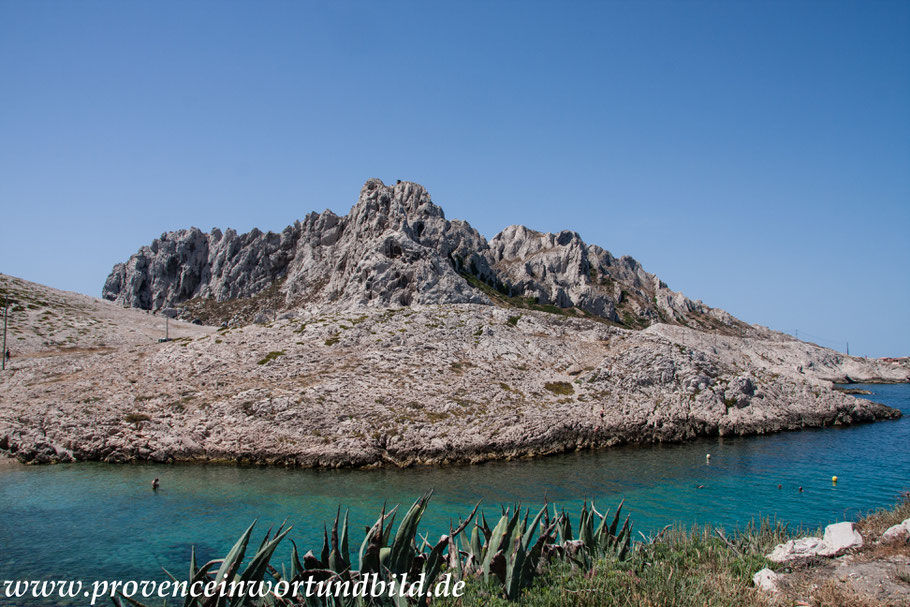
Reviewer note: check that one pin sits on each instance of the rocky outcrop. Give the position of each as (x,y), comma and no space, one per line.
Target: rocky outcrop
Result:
(428,384)
(561,270)
(396,248)
(839,538)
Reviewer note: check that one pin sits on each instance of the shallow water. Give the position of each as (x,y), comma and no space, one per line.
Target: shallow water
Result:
(98,521)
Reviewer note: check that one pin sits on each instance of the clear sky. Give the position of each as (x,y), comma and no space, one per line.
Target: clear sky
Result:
(755,155)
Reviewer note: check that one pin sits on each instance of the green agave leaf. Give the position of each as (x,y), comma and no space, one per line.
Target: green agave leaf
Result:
(232,561)
(402,552)
(258,566)
(324,556)
(296,565)
(514,568)
(616,518)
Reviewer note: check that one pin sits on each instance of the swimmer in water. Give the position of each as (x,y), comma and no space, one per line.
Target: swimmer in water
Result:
(155,484)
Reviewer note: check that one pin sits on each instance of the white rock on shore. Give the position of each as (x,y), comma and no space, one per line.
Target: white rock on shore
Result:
(898,532)
(766,580)
(839,538)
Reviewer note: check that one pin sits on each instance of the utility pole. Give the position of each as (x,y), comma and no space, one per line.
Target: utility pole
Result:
(5,316)
(848,348)
(797,334)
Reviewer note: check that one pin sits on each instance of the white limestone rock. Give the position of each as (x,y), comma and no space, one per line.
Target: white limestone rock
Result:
(766,580)
(839,538)
(803,547)
(898,532)
(396,248)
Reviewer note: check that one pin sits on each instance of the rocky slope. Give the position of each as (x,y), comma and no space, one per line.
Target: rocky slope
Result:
(394,248)
(427,384)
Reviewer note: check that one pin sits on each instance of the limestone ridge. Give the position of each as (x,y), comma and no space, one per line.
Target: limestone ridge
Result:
(396,248)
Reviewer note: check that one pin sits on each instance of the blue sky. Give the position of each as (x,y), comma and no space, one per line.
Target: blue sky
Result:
(753,155)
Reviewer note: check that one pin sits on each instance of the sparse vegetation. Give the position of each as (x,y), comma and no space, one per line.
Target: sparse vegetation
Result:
(270,357)
(560,387)
(136,418)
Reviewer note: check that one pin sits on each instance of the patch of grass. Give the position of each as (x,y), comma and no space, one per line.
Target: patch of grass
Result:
(875,523)
(459,367)
(513,320)
(332,340)
(136,418)
(560,387)
(271,356)
(685,568)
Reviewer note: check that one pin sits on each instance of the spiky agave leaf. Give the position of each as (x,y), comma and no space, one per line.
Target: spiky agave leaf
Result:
(232,561)
(616,518)
(402,550)
(258,565)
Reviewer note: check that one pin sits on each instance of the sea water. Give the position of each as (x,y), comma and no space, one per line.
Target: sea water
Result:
(92,521)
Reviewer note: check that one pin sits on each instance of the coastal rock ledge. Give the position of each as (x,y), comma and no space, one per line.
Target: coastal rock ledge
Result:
(369,386)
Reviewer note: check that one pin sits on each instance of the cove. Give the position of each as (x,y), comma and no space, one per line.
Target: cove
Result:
(93,521)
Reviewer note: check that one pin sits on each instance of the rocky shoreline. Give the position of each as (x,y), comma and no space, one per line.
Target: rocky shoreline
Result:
(562,443)
(424,385)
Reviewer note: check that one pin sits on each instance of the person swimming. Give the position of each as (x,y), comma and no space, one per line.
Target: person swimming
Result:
(155,484)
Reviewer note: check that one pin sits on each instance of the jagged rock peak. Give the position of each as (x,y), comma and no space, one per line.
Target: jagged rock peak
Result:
(395,248)
(403,198)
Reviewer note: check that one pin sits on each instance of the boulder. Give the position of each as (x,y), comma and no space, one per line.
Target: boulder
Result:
(804,547)
(841,537)
(766,580)
(897,532)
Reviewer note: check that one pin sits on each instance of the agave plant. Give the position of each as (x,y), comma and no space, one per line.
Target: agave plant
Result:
(508,554)
(596,539)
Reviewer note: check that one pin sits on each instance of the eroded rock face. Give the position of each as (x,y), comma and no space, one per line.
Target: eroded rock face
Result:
(396,248)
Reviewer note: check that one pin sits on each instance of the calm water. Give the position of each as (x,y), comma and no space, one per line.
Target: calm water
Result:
(96,521)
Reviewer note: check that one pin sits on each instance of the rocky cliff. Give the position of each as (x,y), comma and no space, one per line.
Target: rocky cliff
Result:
(395,248)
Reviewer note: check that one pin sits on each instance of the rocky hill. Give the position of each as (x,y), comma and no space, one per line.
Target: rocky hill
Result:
(424,384)
(393,335)
(395,248)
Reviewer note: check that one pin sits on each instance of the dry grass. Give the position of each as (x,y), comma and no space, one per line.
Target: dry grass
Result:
(834,593)
(876,523)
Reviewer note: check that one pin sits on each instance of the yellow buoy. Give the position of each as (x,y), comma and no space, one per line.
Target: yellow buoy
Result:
(834,479)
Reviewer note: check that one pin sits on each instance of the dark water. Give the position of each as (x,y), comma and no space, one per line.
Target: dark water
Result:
(96,521)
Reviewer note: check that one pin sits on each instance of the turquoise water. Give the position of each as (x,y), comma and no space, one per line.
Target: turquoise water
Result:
(97,521)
